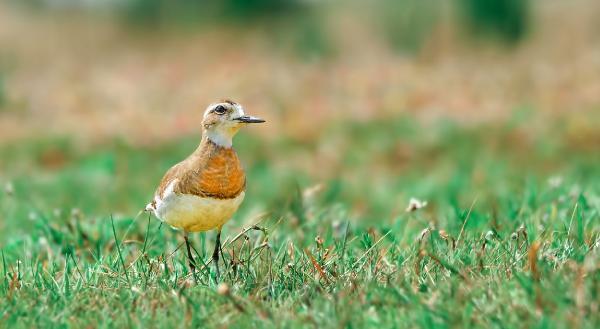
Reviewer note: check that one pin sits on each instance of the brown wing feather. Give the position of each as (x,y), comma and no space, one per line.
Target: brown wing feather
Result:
(170,175)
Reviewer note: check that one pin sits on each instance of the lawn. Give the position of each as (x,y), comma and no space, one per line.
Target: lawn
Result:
(509,236)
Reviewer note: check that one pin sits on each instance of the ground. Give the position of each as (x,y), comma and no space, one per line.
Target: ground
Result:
(509,236)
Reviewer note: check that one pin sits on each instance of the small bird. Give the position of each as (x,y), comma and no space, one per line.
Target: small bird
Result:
(202,192)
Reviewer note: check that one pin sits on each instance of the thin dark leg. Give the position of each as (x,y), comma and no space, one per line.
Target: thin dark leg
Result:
(215,256)
(189,251)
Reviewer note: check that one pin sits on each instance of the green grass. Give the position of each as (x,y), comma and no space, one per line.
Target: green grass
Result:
(509,237)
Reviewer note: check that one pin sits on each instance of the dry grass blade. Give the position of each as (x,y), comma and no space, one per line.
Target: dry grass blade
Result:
(533,252)
(317,266)
(249,228)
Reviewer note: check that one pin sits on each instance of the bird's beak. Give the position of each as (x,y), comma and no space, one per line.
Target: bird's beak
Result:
(249,119)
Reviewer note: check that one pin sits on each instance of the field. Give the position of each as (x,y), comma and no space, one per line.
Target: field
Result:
(425,164)
(509,236)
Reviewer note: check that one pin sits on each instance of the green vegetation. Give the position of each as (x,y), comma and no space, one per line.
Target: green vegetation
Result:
(509,237)
(407,24)
(507,20)
(153,13)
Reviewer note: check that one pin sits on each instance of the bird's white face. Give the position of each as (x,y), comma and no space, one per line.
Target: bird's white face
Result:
(223,120)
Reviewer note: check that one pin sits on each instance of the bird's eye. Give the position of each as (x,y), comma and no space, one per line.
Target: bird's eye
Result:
(220,110)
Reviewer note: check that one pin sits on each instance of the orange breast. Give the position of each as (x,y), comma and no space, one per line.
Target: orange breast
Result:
(222,176)
(210,172)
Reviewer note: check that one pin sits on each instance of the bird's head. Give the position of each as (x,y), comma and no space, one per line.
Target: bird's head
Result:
(223,120)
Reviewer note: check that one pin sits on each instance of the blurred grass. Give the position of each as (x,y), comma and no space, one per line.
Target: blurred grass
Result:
(390,158)
(408,24)
(504,20)
(152,13)
(510,233)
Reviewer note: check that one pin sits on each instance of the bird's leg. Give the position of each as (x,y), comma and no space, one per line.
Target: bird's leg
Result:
(215,256)
(189,251)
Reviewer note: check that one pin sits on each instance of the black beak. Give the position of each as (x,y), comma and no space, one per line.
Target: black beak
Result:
(249,119)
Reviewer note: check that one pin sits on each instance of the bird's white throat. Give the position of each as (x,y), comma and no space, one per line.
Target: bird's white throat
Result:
(221,137)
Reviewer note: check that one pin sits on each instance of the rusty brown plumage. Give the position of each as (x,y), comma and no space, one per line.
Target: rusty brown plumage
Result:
(212,171)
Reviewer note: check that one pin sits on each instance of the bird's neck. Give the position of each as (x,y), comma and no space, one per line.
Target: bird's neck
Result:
(219,137)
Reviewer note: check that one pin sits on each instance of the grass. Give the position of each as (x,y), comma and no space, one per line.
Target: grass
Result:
(509,237)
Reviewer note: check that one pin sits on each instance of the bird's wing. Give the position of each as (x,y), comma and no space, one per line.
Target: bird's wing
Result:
(172,174)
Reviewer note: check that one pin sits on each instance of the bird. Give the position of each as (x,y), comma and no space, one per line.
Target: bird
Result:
(202,192)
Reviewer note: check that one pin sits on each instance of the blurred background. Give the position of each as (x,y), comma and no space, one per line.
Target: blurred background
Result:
(393,99)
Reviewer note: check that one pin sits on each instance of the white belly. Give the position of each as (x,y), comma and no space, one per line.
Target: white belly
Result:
(195,214)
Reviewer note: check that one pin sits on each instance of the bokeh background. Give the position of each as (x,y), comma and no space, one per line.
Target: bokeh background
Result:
(368,103)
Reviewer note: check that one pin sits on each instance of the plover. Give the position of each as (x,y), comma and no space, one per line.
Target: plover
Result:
(202,192)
